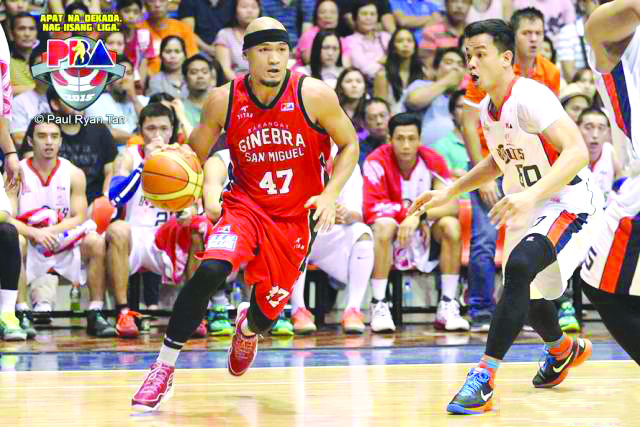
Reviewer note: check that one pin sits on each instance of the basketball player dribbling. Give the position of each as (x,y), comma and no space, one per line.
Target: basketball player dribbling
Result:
(549,205)
(279,128)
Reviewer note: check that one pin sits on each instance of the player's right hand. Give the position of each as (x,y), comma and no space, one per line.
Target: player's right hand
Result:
(489,193)
(44,238)
(427,200)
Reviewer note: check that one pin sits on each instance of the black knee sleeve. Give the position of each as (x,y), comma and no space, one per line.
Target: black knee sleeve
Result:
(258,322)
(10,250)
(532,255)
(191,304)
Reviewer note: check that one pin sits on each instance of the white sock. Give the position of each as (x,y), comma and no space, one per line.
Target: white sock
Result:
(22,306)
(450,285)
(8,300)
(220,298)
(297,296)
(360,268)
(379,288)
(96,305)
(169,355)
(245,329)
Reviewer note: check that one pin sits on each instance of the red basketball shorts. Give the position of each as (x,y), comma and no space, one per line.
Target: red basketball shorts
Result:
(272,250)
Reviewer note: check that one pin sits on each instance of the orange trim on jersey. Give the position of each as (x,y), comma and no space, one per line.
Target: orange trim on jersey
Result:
(552,154)
(612,268)
(610,86)
(53,171)
(559,226)
(507,95)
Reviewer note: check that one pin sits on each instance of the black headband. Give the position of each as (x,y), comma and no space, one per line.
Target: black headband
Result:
(263,36)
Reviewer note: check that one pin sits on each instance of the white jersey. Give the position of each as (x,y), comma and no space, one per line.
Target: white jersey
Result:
(53,192)
(620,91)
(518,147)
(603,171)
(613,262)
(138,211)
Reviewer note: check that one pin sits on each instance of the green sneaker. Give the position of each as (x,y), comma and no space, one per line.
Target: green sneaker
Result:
(282,327)
(10,329)
(218,322)
(567,318)
(26,323)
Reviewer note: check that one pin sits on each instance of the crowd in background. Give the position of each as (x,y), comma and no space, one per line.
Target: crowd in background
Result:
(382,57)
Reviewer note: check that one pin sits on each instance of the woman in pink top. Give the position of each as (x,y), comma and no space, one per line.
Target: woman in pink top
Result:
(367,45)
(228,42)
(325,17)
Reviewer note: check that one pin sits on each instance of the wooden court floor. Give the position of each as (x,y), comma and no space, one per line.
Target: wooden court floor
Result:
(599,393)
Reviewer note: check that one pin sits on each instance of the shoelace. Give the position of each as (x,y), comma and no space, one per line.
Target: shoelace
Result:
(125,316)
(474,383)
(380,309)
(549,359)
(156,378)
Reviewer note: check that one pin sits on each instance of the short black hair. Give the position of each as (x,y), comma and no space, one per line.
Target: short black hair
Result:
(36,53)
(41,118)
(76,5)
(404,119)
(530,13)
(211,62)
(442,51)
(502,34)
(14,19)
(126,3)
(377,100)
(592,110)
(453,99)
(359,4)
(155,109)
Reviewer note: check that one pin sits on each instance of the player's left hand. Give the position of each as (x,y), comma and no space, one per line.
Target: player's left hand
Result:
(325,214)
(342,214)
(13,171)
(184,149)
(511,206)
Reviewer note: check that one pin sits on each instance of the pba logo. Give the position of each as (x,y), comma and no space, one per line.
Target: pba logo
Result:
(79,69)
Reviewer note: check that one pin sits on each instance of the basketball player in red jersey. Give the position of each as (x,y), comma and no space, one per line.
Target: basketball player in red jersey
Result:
(279,128)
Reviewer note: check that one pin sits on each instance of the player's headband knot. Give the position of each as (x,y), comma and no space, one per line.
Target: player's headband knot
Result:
(263,36)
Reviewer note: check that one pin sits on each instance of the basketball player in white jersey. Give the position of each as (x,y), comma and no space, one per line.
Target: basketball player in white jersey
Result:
(603,162)
(613,31)
(53,183)
(130,242)
(549,205)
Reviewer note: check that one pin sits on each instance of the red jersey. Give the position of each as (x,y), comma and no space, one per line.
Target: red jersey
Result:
(278,155)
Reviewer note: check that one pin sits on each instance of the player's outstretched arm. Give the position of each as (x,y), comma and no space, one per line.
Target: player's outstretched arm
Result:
(323,108)
(215,175)
(214,113)
(485,171)
(609,29)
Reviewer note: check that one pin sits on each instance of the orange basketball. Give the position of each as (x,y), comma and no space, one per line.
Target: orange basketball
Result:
(172,180)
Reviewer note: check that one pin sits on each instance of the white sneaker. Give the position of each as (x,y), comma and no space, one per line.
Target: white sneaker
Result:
(381,320)
(448,317)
